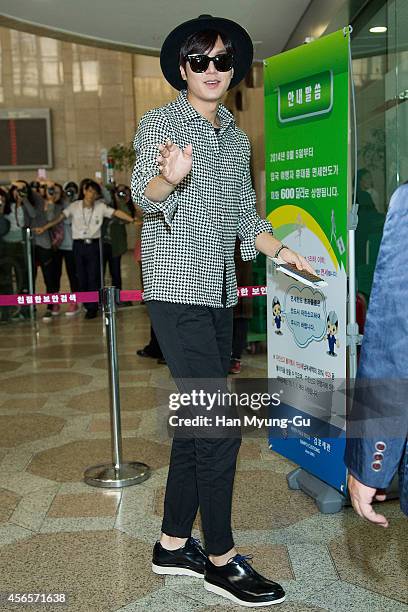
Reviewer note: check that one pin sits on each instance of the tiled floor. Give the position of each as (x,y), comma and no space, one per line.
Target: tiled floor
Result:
(59,535)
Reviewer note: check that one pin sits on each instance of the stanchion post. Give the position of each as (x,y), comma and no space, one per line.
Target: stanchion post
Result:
(116,474)
(102,278)
(30,271)
(113,368)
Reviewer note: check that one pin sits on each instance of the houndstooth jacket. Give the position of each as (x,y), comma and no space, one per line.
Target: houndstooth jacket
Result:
(187,238)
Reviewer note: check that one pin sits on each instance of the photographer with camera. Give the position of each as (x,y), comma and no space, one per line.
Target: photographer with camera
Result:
(41,211)
(87,215)
(70,191)
(6,285)
(17,211)
(114,236)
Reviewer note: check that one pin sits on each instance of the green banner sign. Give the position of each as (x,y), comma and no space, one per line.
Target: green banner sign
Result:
(306,129)
(306,138)
(306,97)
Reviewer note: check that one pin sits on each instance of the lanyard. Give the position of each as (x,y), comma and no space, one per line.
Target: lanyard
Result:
(86,225)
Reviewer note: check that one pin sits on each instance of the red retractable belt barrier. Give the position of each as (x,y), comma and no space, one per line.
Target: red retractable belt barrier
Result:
(93,296)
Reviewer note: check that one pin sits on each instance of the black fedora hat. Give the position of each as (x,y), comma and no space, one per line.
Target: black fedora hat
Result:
(170,51)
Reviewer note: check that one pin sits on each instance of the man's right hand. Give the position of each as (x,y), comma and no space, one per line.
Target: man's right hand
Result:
(174,163)
(362,496)
(39,230)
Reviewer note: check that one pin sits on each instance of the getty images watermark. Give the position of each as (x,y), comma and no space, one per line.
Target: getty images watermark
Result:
(228,403)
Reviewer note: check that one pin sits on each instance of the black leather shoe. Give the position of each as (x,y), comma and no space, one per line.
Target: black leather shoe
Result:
(91,314)
(144,353)
(189,560)
(239,582)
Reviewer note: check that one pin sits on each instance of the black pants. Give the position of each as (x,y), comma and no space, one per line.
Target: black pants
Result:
(46,260)
(196,343)
(12,258)
(87,264)
(153,348)
(69,258)
(114,265)
(239,339)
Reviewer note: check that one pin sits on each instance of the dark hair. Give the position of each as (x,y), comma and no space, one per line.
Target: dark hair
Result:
(361,174)
(200,42)
(61,192)
(11,198)
(85,184)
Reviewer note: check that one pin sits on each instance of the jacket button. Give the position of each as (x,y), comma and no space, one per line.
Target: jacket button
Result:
(380,446)
(376,466)
(378,456)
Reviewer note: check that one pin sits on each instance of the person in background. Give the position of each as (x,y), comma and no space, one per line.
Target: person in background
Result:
(370,221)
(54,194)
(45,244)
(42,189)
(35,186)
(6,285)
(70,191)
(18,210)
(152,349)
(65,249)
(242,311)
(377,428)
(114,236)
(87,215)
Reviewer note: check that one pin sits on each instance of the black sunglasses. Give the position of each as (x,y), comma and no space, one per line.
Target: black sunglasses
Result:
(199,62)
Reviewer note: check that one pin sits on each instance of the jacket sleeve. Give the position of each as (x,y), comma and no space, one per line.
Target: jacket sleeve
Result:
(377,431)
(250,224)
(153,130)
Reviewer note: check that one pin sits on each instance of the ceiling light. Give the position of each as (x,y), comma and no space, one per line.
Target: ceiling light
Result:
(378,29)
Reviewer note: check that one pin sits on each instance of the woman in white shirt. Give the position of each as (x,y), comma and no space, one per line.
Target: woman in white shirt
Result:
(87,215)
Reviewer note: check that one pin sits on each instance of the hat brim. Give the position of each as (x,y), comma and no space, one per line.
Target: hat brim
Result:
(170,51)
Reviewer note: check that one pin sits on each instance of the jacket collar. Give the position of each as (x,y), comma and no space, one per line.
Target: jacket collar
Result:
(189,113)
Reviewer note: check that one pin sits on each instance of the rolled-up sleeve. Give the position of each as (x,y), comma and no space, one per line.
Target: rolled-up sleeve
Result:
(107,211)
(153,130)
(250,224)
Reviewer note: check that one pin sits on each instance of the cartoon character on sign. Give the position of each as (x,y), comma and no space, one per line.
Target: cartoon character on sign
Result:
(276,311)
(332,329)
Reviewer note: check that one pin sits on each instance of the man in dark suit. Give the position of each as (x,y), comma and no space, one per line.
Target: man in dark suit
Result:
(378,425)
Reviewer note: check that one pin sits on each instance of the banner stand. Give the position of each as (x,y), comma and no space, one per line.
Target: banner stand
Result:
(328,500)
(312,335)
(116,474)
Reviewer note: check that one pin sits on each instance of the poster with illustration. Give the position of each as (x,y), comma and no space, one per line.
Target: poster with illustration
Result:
(306,138)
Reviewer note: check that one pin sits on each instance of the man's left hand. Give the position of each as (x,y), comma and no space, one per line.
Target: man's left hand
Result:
(362,497)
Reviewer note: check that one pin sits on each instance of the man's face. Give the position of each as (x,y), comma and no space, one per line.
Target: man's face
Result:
(211,85)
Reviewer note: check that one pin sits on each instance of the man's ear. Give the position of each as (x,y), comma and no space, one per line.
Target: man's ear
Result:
(183,73)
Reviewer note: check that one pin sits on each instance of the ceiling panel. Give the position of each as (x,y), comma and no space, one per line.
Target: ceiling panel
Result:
(142,24)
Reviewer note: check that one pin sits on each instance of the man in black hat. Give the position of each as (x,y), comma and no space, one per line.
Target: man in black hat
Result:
(192,179)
